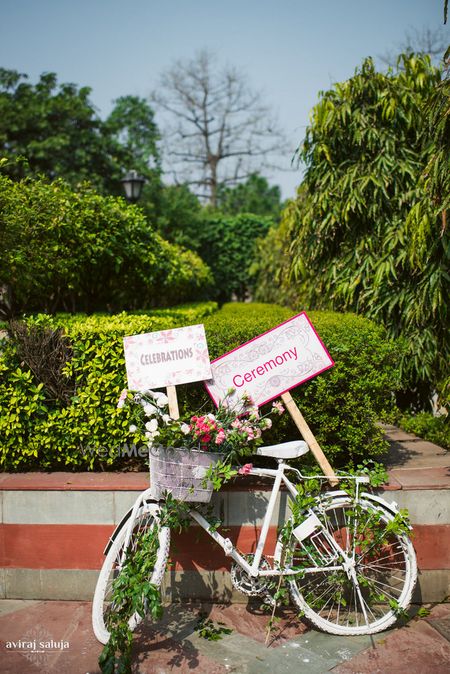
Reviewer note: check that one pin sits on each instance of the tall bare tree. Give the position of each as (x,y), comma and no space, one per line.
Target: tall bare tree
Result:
(431,41)
(219,131)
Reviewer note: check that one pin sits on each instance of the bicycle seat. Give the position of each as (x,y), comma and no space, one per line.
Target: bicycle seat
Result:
(285,450)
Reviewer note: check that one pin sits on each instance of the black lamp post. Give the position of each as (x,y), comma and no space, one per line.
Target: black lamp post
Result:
(133,184)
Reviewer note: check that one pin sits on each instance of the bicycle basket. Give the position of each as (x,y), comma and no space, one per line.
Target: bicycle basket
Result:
(181,472)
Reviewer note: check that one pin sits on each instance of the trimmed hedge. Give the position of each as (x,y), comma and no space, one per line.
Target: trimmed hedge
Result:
(341,405)
(37,432)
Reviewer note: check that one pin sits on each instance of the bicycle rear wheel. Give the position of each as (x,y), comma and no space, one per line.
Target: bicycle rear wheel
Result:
(363,584)
(102,605)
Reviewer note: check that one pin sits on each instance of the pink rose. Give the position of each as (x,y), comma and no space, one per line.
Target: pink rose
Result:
(220,437)
(246,469)
(278,407)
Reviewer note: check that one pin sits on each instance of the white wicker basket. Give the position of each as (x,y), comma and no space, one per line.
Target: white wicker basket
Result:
(181,473)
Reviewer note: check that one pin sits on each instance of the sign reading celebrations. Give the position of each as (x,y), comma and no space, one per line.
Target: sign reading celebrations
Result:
(166,358)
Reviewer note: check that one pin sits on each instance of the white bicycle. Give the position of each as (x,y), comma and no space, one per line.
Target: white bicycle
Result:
(347,559)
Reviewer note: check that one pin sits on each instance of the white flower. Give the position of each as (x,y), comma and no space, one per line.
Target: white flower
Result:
(162,400)
(267,423)
(149,409)
(133,428)
(166,418)
(185,428)
(211,416)
(151,425)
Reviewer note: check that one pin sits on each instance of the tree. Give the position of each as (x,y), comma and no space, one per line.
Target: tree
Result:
(220,128)
(365,151)
(271,267)
(179,216)
(53,130)
(132,128)
(132,125)
(255,195)
(426,41)
(135,140)
(227,244)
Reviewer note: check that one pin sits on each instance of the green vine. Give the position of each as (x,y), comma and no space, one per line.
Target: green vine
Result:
(132,591)
(370,529)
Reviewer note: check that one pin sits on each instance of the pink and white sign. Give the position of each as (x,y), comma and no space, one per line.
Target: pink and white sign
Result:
(166,358)
(271,364)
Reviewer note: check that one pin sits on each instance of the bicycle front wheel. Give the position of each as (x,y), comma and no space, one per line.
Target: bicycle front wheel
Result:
(362,584)
(103,606)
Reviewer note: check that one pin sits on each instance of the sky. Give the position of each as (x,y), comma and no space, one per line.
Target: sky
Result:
(288,49)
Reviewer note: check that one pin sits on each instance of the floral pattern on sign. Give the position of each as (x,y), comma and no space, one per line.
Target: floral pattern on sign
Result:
(270,364)
(166,358)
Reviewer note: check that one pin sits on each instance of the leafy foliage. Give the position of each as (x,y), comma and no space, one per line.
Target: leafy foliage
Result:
(341,406)
(428,427)
(132,593)
(227,244)
(55,130)
(255,195)
(364,239)
(179,215)
(34,426)
(79,251)
(209,630)
(271,267)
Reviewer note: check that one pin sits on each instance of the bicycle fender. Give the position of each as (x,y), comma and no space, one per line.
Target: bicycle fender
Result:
(124,519)
(391,508)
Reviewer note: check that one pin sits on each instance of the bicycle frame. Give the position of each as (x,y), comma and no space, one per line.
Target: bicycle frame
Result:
(230,550)
(279,477)
(313,538)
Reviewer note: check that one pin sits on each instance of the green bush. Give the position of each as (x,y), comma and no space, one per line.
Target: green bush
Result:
(80,251)
(38,432)
(428,427)
(227,243)
(341,405)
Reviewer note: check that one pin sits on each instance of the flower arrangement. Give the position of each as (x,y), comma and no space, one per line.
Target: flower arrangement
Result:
(233,430)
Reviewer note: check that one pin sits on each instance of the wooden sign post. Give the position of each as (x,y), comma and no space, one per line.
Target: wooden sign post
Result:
(173,402)
(308,437)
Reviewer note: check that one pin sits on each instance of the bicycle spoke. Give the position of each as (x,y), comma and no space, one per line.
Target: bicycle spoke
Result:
(381,575)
